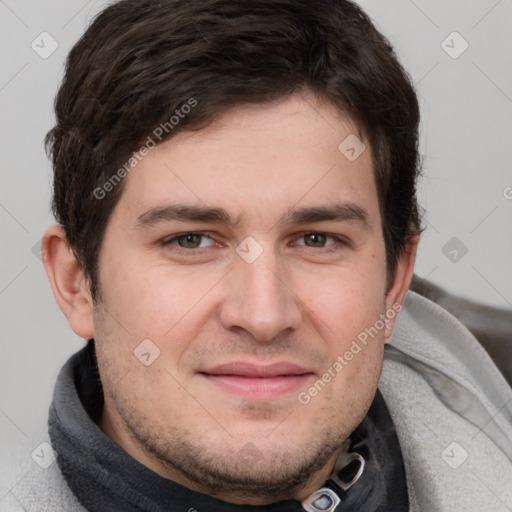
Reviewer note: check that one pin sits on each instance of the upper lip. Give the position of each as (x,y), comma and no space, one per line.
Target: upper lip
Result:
(245,369)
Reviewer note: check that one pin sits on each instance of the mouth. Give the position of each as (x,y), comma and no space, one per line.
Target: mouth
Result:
(261,382)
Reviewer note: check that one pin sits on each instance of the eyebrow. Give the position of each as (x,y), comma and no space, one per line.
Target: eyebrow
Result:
(345,212)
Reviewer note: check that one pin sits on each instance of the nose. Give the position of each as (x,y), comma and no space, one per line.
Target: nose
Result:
(260,300)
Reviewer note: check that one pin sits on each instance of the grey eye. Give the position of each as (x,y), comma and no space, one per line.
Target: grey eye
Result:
(315,239)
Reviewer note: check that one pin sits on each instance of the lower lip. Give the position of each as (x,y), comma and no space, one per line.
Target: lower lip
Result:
(259,388)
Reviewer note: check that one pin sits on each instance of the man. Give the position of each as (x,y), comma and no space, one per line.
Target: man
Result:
(237,228)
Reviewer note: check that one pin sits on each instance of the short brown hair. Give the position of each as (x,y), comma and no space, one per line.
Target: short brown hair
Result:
(141,60)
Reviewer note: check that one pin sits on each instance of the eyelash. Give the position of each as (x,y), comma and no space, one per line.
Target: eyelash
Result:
(339,242)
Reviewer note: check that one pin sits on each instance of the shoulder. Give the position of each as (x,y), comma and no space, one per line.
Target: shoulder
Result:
(41,490)
(452,409)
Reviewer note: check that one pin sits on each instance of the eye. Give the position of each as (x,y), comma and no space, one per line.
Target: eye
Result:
(319,240)
(190,241)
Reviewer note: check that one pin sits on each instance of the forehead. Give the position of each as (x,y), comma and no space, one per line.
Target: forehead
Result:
(259,160)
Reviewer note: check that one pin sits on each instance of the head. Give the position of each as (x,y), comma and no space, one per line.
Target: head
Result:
(235,182)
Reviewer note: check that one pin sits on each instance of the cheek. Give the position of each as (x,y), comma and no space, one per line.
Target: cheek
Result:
(148,300)
(344,301)
(169,307)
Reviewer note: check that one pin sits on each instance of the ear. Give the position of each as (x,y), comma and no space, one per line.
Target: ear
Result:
(70,287)
(399,284)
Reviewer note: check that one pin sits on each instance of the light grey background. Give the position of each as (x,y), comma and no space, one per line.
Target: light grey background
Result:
(466,104)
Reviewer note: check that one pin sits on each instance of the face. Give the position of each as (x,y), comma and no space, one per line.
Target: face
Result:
(249,255)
